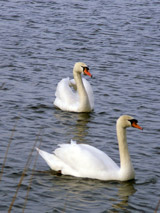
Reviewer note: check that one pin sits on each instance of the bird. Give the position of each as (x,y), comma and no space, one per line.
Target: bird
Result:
(75,95)
(86,161)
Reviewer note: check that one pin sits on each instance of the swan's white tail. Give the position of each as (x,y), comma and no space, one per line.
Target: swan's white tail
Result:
(49,158)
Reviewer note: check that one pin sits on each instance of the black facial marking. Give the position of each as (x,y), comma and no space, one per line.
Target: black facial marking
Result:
(133,121)
(85,68)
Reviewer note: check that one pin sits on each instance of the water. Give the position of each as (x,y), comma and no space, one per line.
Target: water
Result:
(39,43)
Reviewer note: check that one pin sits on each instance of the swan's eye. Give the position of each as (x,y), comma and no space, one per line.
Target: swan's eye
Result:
(85,68)
(133,121)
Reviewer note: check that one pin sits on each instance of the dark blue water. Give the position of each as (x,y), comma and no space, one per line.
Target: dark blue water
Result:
(39,43)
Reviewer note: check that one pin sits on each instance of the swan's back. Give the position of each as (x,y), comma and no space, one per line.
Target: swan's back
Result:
(81,160)
(84,155)
(67,98)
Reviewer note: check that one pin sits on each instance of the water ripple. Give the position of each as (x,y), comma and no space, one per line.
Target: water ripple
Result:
(39,43)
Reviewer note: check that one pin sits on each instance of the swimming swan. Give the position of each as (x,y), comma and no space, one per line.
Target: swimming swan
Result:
(75,95)
(82,160)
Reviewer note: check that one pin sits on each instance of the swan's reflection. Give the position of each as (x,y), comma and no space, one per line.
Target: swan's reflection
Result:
(125,190)
(94,194)
(75,124)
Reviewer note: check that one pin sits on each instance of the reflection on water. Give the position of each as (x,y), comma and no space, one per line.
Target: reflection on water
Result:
(76,124)
(84,193)
(125,190)
(39,43)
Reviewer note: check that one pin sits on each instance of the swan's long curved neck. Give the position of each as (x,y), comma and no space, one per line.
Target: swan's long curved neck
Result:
(126,167)
(84,101)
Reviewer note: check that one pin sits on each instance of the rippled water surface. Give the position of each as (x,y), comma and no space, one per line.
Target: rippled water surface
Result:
(39,43)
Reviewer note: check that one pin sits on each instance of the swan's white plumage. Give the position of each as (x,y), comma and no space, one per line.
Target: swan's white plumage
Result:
(83,160)
(80,160)
(68,98)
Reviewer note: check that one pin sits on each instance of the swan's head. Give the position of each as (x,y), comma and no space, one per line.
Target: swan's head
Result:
(128,121)
(81,67)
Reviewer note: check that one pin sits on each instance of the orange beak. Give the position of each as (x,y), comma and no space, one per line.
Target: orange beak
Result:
(86,72)
(135,125)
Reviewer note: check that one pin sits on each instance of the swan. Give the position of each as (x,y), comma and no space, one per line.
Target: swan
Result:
(75,95)
(83,160)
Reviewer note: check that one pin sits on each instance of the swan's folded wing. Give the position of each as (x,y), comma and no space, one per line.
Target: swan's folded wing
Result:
(86,160)
(65,97)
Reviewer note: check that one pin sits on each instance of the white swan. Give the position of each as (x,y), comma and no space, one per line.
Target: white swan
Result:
(82,160)
(75,95)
